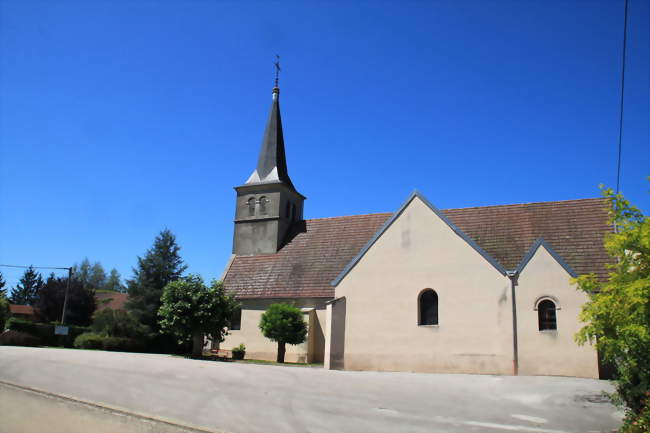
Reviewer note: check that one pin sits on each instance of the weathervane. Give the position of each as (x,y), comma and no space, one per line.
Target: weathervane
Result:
(277,69)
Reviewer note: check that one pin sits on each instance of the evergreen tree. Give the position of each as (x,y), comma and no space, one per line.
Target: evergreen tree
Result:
(3,291)
(160,266)
(81,301)
(97,277)
(92,276)
(81,271)
(114,282)
(26,292)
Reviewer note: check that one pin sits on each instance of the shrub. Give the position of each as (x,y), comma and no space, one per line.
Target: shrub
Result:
(118,323)
(637,423)
(121,344)
(239,352)
(16,338)
(41,331)
(89,340)
(73,333)
(44,332)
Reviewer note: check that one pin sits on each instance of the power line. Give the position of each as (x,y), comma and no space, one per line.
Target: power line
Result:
(620,122)
(34,267)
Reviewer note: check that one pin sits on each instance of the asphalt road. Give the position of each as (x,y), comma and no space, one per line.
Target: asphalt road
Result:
(247,398)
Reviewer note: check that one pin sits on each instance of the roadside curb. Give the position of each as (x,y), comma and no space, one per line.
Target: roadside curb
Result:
(113,409)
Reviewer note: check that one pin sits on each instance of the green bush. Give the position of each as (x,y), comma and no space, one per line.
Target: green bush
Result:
(118,323)
(41,331)
(16,338)
(121,344)
(44,332)
(239,352)
(89,340)
(637,423)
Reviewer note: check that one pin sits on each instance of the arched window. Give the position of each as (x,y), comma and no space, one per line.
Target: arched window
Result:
(293,212)
(546,315)
(428,308)
(287,212)
(263,202)
(251,206)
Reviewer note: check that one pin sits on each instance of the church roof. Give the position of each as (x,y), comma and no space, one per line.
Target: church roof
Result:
(320,249)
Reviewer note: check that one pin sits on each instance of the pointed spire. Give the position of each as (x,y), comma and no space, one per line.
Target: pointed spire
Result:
(272,163)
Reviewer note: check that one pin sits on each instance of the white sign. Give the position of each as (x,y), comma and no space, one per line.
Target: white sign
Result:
(60,330)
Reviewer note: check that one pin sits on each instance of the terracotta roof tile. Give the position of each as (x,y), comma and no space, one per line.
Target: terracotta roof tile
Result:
(21,309)
(321,248)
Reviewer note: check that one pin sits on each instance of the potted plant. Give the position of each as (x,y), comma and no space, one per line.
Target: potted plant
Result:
(239,352)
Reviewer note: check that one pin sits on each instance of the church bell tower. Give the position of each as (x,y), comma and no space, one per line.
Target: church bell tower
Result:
(268,203)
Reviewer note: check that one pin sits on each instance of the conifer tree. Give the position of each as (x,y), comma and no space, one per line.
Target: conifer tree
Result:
(160,265)
(92,276)
(26,292)
(114,282)
(3,291)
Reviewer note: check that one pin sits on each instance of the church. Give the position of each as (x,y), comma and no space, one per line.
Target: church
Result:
(482,290)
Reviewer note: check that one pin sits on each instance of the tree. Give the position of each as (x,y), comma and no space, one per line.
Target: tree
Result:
(191,310)
(3,291)
(118,323)
(617,314)
(97,277)
(26,291)
(92,276)
(81,301)
(160,266)
(81,271)
(283,323)
(4,311)
(114,282)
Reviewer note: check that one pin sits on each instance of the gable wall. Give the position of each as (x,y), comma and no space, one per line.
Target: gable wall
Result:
(551,352)
(418,251)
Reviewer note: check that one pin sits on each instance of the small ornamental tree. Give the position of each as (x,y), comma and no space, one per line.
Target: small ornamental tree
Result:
(283,323)
(190,310)
(617,315)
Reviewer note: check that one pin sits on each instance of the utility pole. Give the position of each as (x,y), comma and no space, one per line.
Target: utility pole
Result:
(65,299)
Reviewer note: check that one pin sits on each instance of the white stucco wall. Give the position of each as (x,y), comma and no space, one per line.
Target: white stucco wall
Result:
(419,251)
(551,352)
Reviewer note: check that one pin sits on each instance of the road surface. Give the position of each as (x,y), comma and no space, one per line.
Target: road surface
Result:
(248,398)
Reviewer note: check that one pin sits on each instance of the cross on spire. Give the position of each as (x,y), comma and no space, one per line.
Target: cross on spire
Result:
(277,70)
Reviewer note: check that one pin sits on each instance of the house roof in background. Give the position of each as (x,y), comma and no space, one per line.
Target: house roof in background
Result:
(21,309)
(320,249)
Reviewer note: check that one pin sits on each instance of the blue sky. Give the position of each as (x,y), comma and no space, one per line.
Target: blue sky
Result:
(121,118)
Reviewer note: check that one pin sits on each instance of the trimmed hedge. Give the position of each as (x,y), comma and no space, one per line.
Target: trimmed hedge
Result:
(16,338)
(90,340)
(44,332)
